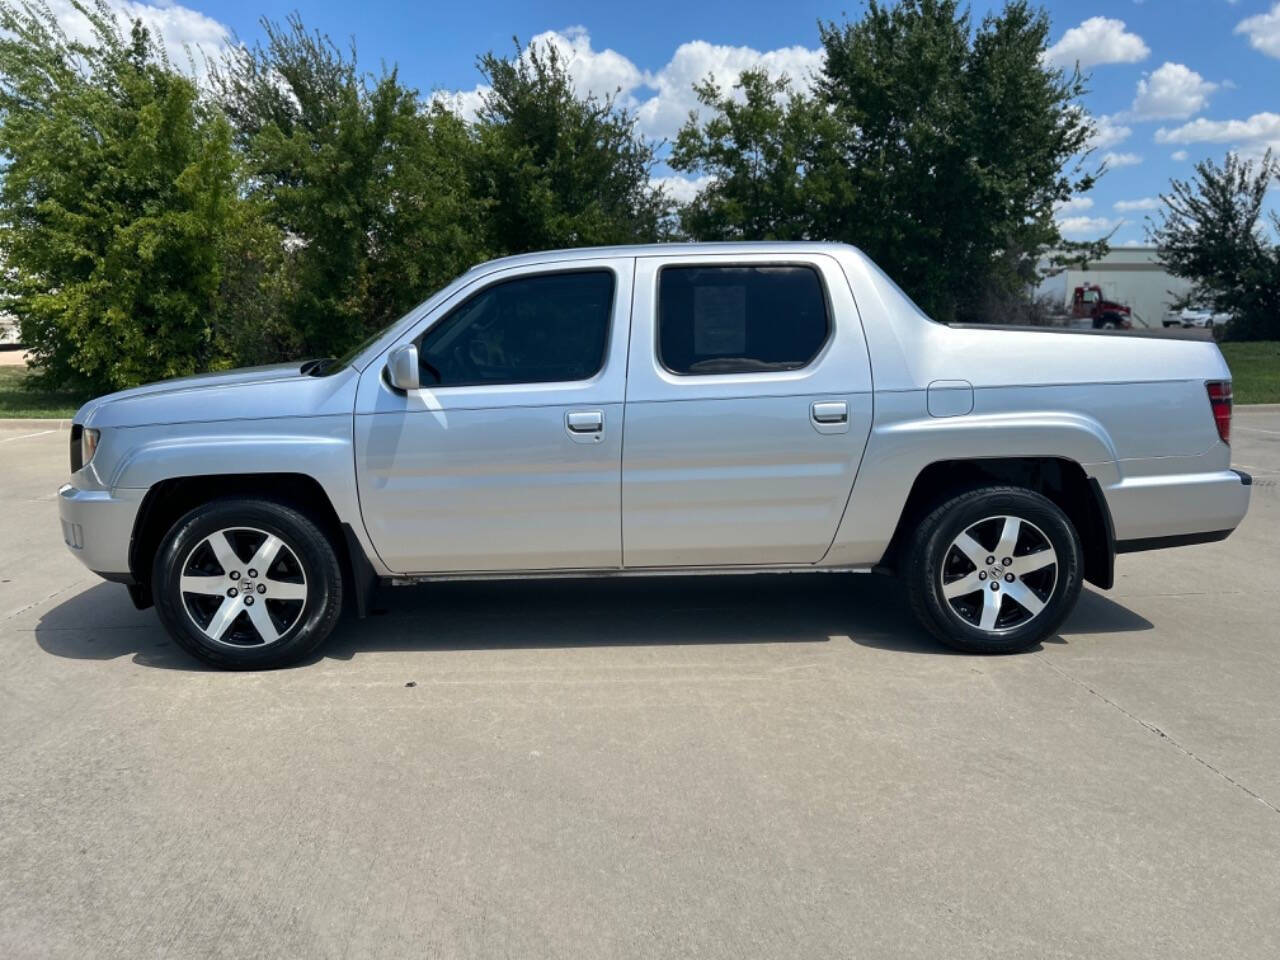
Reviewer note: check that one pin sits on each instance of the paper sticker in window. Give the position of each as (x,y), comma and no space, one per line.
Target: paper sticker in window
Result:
(720,321)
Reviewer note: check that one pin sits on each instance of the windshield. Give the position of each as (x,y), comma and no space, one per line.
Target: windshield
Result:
(329,365)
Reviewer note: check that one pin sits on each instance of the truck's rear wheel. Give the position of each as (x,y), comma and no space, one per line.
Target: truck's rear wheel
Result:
(247,584)
(994,570)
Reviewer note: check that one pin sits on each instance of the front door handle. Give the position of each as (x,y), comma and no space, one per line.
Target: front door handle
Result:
(830,411)
(585,421)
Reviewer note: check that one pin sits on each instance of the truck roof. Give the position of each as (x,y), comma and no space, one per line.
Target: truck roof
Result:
(670,249)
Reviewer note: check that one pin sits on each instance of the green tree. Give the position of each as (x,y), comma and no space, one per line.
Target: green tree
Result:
(119,187)
(557,169)
(1210,231)
(368,185)
(251,322)
(770,157)
(938,148)
(957,141)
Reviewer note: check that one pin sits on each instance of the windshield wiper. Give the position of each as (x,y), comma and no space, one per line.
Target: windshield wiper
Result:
(317,367)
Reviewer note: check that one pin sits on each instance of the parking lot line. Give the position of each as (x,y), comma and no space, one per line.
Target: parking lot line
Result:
(27,436)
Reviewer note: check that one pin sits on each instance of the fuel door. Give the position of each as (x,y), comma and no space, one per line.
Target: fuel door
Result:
(950,398)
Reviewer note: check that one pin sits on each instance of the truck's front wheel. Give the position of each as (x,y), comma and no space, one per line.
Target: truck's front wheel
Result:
(247,584)
(994,570)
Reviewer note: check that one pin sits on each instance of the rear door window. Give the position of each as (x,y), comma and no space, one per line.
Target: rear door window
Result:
(737,319)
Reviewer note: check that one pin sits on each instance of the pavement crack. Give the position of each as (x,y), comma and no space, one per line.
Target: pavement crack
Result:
(1152,728)
(35,603)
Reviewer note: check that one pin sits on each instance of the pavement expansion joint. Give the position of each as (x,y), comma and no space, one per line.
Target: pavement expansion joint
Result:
(1151,727)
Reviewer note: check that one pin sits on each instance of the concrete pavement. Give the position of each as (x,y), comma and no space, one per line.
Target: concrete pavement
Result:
(717,767)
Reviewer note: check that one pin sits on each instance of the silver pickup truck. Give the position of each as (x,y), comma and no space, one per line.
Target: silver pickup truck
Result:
(730,408)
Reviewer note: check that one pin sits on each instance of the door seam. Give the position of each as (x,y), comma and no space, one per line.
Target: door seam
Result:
(622,441)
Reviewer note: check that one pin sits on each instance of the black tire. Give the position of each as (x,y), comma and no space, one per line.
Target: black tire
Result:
(310,557)
(933,545)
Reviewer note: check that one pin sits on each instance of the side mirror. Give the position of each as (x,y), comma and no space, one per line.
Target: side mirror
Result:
(402,368)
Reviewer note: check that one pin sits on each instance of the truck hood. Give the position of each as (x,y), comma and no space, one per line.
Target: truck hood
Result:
(250,393)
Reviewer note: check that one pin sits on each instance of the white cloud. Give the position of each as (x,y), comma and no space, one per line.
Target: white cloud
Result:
(663,98)
(1098,40)
(1250,138)
(682,189)
(177,26)
(1129,206)
(1087,227)
(1178,155)
(1263,31)
(601,72)
(663,114)
(1259,126)
(1075,203)
(465,103)
(1108,132)
(1115,161)
(1172,92)
(604,73)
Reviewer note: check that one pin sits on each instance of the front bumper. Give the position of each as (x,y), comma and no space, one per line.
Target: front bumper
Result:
(97,526)
(1174,509)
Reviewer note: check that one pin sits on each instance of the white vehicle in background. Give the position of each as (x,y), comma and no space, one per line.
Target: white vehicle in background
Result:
(1195,317)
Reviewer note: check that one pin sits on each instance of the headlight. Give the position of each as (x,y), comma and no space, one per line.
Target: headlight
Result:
(88,445)
(84,444)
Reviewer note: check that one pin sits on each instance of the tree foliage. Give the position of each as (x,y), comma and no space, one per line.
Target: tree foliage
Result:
(938,148)
(770,154)
(958,143)
(1210,231)
(155,226)
(368,186)
(556,169)
(119,188)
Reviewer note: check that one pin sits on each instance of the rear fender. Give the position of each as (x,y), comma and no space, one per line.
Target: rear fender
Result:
(906,440)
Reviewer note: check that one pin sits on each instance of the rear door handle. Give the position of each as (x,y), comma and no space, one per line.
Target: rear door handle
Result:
(830,411)
(585,421)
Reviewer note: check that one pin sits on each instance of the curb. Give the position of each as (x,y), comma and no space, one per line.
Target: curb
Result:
(35,424)
(1256,408)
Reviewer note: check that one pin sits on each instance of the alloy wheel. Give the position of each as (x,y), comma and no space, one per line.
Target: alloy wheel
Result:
(243,587)
(998,574)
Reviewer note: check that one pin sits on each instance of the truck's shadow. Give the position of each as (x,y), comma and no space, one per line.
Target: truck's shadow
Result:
(101,624)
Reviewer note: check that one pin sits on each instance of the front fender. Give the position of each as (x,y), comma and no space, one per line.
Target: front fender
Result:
(317,446)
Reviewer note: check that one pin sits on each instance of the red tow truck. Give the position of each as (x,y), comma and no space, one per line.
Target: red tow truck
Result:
(1088,302)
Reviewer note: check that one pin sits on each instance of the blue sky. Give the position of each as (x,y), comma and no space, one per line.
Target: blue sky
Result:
(1172,81)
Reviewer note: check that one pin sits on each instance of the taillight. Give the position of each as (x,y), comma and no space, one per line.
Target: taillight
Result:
(1220,401)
